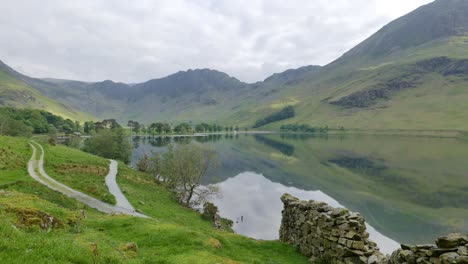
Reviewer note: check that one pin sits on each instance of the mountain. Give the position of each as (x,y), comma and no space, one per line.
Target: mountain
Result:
(411,74)
(192,95)
(436,21)
(16,92)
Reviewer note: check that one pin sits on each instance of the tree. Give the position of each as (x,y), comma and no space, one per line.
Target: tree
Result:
(199,128)
(183,128)
(134,126)
(182,168)
(89,127)
(111,144)
(11,127)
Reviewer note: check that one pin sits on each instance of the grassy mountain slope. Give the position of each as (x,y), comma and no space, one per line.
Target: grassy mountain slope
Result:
(193,95)
(15,92)
(406,76)
(178,235)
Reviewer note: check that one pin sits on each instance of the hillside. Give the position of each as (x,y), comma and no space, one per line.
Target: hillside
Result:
(192,95)
(175,234)
(15,92)
(405,76)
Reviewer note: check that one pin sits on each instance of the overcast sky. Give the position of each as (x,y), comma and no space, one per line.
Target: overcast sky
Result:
(133,41)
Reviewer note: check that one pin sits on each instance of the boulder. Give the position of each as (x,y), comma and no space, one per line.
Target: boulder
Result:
(451,241)
(448,258)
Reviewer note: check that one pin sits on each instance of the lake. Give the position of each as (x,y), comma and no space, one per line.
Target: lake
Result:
(409,189)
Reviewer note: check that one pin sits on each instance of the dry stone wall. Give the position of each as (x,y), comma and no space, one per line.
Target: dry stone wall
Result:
(335,235)
(448,249)
(321,231)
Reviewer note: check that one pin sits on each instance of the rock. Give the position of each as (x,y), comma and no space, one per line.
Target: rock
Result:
(2,192)
(463,260)
(439,251)
(131,246)
(353,236)
(452,240)
(406,254)
(358,245)
(130,249)
(422,260)
(141,202)
(448,258)
(355,260)
(372,259)
(342,241)
(462,251)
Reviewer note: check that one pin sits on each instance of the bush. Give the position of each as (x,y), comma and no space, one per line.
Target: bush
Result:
(209,211)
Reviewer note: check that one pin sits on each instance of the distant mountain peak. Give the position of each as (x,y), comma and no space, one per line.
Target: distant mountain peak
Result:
(437,20)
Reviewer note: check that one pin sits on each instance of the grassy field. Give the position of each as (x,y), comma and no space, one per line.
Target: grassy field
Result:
(85,173)
(175,234)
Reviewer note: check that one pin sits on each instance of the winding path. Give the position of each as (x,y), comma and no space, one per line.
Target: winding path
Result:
(111,182)
(42,177)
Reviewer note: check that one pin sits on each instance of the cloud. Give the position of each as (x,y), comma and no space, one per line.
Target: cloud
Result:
(133,41)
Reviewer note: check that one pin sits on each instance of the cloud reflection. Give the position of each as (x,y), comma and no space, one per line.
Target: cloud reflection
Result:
(253,203)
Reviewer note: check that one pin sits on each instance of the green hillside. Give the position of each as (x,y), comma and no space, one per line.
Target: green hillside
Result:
(15,92)
(175,234)
(405,76)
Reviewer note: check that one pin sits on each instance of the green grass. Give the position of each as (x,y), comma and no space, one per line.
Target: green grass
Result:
(175,234)
(16,93)
(81,171)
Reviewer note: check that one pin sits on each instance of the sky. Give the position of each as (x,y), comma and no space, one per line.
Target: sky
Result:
(134,41)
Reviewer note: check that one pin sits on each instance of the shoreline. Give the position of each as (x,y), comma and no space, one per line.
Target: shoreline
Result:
(459,134)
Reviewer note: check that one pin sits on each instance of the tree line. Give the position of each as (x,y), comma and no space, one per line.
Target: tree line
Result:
(162,128)
(284,113)
(305,128)
(24,122)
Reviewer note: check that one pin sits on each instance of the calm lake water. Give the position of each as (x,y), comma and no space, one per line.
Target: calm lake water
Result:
(409,189)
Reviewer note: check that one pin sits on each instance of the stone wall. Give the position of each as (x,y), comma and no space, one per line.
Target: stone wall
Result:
(448,249)
(335,235)
(321,231)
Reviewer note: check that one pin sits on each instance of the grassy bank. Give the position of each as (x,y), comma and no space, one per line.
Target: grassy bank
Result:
(175,234)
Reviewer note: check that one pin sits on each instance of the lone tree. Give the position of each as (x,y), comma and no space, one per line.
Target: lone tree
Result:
(182,168)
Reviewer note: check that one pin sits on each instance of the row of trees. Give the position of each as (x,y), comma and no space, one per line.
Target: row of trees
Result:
(285,113)
(160,128)
(16,122)
(304,128)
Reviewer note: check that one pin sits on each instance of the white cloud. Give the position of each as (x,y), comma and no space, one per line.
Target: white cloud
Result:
(133,41)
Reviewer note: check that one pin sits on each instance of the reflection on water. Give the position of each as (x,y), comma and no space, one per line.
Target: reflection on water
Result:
(253,203)
(410,189)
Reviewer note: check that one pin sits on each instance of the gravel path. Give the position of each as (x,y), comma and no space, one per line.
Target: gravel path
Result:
(45,179)
(111,182)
